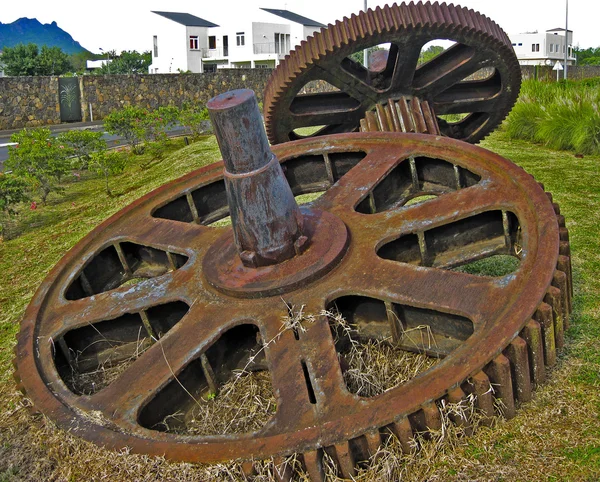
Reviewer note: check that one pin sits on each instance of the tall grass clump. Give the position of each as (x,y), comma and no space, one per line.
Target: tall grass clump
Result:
(563,115)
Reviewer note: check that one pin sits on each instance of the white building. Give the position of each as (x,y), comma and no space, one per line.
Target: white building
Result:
(543,48)
(261,39)
(177,42)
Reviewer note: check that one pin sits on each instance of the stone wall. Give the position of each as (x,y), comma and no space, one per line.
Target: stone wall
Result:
(109,92)
(34,101)
(28,101)
(575,72)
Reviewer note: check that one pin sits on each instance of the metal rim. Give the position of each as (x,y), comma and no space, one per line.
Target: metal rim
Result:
(110,416)
(480,43)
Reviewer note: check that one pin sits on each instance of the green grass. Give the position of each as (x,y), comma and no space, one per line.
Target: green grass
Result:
(554,437)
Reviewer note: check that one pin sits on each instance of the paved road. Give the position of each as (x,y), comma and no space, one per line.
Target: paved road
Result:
(111,140)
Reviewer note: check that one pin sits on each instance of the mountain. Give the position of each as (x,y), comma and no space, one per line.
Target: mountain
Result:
(30,30)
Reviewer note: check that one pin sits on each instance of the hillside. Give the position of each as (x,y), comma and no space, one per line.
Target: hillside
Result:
(30,30)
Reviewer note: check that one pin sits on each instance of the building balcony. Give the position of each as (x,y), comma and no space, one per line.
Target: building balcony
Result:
(270,48)
(214,54)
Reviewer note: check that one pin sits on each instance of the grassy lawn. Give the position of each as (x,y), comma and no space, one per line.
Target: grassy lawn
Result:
(554,437)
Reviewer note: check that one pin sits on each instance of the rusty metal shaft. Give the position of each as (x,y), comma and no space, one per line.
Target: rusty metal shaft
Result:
(266,220)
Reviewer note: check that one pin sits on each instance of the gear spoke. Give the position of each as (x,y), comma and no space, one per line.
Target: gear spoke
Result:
(357,182)
(161,363)
(447,69)
(429,288)
(113,304)
(443,209)
(406,60)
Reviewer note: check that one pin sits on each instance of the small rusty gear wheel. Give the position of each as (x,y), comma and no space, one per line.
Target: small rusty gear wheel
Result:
(480,44)
(136,289)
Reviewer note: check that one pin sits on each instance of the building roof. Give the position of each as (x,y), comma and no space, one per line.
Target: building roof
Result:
(186,19)
(558,30)
(294,17)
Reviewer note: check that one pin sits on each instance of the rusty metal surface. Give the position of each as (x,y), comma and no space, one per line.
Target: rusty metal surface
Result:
(398,256)
(442,82)
(267,223)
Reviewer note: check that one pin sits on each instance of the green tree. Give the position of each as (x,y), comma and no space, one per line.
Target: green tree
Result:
(129,62)
(130,123)
(590,56)
(82,143)
(431,52)
(159,121)
(30,60)
(38,158)
(13,190)
(107,163)
(53,61)
(359,56)
(194,117)
(20,60)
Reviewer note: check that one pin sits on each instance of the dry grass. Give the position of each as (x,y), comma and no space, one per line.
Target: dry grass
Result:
(244,404)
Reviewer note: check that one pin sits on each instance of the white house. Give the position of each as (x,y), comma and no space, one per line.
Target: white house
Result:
(177,42)
(543,48)
(259,40)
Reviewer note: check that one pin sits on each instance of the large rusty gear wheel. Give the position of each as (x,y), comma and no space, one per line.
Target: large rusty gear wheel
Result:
(397,258)
(480,43)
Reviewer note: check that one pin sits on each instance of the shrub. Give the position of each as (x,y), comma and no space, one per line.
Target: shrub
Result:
(40,159)
(130,123)
(82,143)
(159,121)
(107,163)
(524,120)
(194,117)
(561,115)
(13,190)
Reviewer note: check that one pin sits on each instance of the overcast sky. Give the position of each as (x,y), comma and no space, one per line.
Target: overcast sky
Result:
(120,25)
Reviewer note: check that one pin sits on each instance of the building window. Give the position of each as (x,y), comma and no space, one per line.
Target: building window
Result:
(533,47)
(537,47)
(282,43)
(212,42)
(194,42)
(208,68)
(520,44)
(551,48)
(156,45)
(240,39)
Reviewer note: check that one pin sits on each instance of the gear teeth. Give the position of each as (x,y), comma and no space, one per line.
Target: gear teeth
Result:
(313,465)
(553,298)
(248,468)
(499,373)
(543,316)
(457,395)
(402,430)
(479,385)
(344,459)
(283,471)
(516,352)
(373,440)
(559,281)
(532,334)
